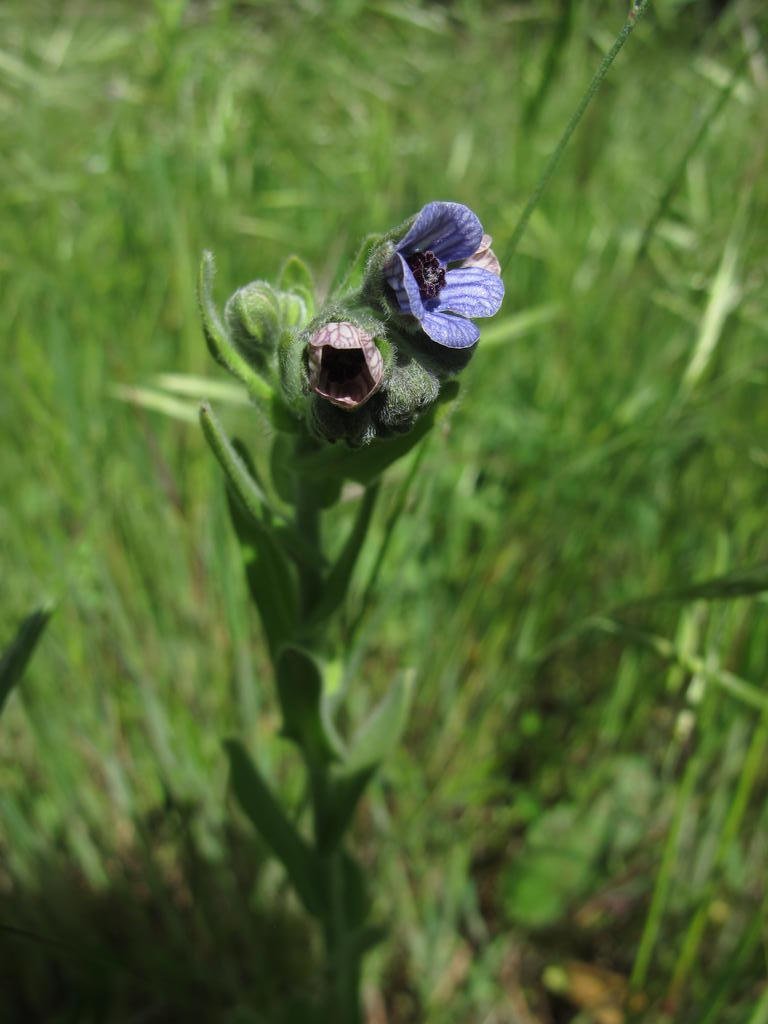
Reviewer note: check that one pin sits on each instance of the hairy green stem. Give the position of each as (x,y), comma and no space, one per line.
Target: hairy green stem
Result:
(636,12)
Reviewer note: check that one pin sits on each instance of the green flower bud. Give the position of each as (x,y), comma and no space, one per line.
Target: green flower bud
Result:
(294,309)
(411,389)
(253,318)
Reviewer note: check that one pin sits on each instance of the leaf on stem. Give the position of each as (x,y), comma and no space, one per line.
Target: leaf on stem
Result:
(296,277)
(306,718)
(219,344)
(336,584)
(373,742)
(268,570)
(267,817)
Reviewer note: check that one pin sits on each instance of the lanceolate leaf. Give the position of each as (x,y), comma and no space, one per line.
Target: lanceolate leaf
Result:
(219,344)
(268,569)
(337,582)
(16,656)
(382,730)
(258,802)
(296,277)
(371,745)
(305,712)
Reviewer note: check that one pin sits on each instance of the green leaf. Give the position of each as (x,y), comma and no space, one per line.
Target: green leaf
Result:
(567,847)
(284,532)
(297,277)
(306,716)
(364,465)
(380,733)
(219,343)
(16,656)
(259,804)
(238,473)
(285,467)
(336,584)
(373,742)
(269,575)
(269,572)
(739,583)
(557,865)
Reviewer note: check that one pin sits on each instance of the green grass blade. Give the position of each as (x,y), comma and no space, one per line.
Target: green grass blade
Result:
(16,656)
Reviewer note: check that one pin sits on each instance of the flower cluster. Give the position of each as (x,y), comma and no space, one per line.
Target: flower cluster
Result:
(370,362)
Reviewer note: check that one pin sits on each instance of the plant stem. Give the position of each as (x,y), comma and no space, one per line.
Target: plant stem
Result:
(308,529)
(343,961)
(636,12)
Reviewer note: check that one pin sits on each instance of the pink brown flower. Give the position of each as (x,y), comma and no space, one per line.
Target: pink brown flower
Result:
(345,366)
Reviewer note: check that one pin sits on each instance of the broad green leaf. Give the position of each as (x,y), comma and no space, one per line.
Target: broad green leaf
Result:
(19,651)
(258,802)
(306,717)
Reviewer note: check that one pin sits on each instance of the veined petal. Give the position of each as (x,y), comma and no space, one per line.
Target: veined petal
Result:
(471,291)
(401,280)
(485,257)
(450,230)
(451,331)
(345,365)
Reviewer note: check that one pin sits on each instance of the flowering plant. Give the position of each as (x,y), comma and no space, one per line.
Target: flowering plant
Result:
(350,388)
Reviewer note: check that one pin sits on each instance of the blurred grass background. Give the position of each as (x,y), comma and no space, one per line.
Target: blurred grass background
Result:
(580,803)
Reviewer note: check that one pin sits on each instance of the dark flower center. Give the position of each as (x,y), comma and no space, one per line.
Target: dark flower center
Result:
(428,272)
(342,364)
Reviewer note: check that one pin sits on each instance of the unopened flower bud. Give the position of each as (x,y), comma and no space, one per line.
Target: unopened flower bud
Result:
(412,388)
(293,309)
(253,319)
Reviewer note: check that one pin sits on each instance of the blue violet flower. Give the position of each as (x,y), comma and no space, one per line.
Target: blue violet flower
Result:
(440,297)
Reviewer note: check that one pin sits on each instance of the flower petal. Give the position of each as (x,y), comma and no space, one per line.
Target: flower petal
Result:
(401,280)
(451,331)
(346,381)
(485,257)
(471,291)
(449,230)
